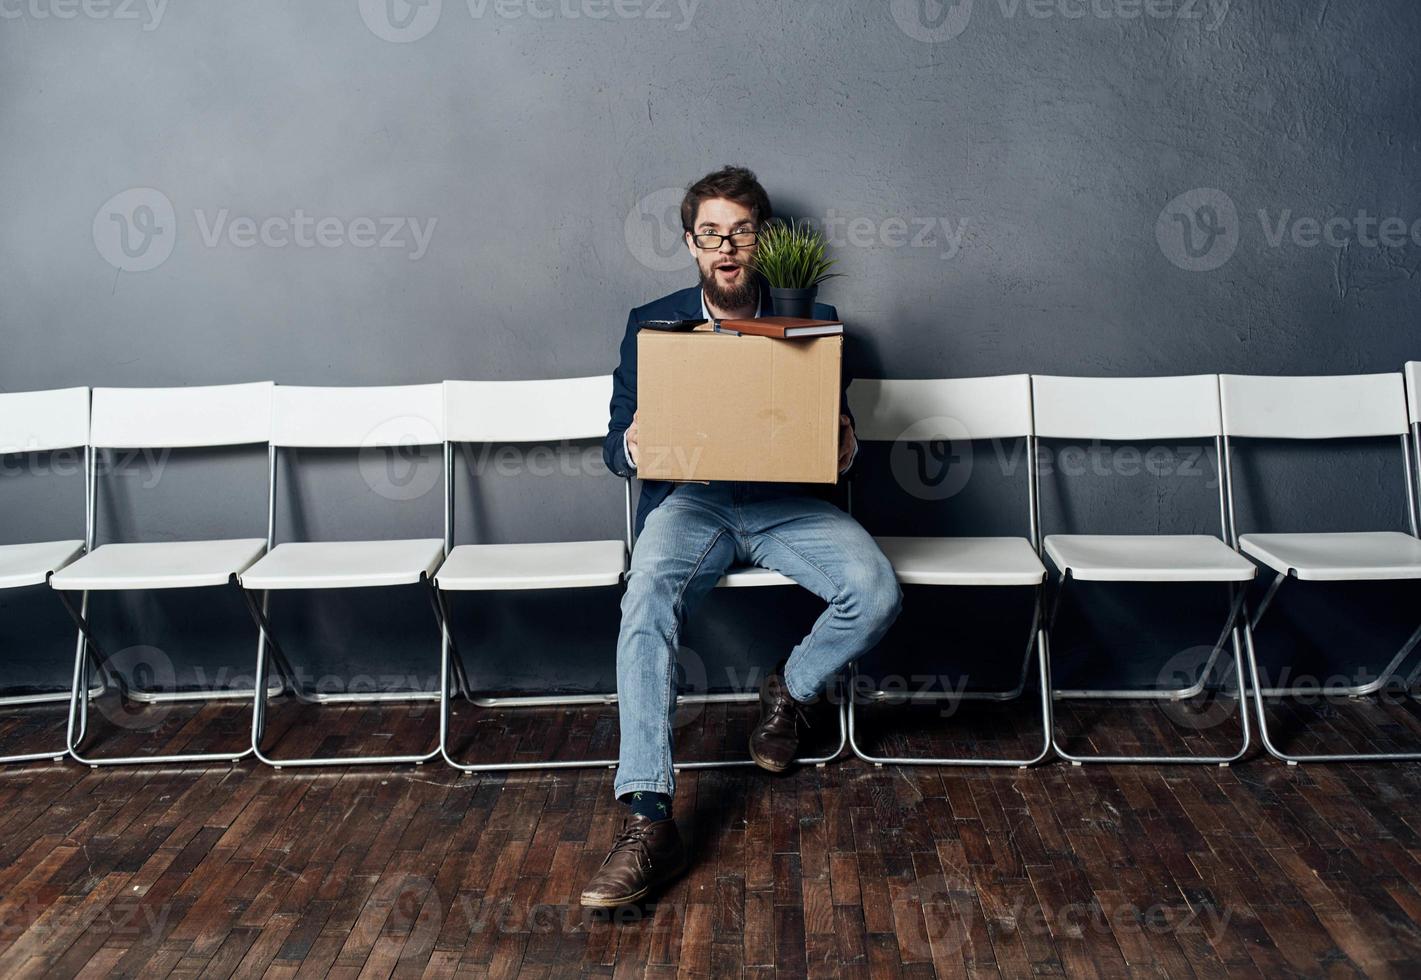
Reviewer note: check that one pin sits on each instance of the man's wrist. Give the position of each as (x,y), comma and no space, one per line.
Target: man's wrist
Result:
(627,450)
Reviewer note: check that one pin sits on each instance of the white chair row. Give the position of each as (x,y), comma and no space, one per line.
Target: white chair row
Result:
(1221,409)
(1205,407)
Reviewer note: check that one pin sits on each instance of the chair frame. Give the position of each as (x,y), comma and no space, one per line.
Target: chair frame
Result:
(1036,638)
(63,696)
(452,670)
(1250,622)
(270,652)
(89,653)
(1237,592)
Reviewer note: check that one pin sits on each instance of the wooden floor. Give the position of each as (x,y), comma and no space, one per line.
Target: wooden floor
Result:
(845,871)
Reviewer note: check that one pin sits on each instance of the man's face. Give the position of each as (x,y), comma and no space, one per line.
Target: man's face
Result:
(725,271)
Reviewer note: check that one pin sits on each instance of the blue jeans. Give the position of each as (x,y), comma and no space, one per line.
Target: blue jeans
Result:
(687,544)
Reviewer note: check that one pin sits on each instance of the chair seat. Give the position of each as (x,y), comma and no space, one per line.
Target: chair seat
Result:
(1337,556)
(344,564)
(752,576)
(963,561)
(1147,558)
(30,564)
(159,565)
(552,565)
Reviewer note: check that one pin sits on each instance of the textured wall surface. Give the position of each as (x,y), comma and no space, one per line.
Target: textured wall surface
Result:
(371,192)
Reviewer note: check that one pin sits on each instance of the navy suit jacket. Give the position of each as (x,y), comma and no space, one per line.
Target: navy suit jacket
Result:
(684,304)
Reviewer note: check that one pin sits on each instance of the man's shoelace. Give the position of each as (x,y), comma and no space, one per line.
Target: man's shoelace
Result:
(786,709)
(632,837)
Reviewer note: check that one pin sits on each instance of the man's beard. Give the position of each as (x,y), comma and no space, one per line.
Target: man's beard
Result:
(743,293)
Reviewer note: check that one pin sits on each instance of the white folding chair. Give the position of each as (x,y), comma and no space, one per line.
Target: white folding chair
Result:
(507,412)
(40,422)
(1322,408)
(961,409)
(162,419)
(1138,409)
(372,419)
(536,411)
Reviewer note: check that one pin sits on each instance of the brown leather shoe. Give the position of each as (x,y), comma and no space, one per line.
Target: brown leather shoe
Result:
(775,739)
(647,853)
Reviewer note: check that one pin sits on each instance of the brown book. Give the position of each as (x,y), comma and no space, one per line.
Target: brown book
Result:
(782,327)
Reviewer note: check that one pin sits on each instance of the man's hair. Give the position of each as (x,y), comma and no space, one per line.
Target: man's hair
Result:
(732,183)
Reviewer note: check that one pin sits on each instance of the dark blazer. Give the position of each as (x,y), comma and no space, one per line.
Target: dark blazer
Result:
(684,304)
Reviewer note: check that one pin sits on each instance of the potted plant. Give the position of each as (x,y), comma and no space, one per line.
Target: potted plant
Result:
(790,256)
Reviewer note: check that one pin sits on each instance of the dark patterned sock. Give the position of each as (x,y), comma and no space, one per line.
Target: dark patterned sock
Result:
(653,806)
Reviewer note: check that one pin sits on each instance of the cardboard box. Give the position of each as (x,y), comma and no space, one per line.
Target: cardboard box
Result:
(714,406)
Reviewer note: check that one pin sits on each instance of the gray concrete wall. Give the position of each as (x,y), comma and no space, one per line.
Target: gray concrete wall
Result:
(359,193)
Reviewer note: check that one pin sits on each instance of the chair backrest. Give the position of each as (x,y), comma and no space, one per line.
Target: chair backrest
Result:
(1413,390)
(1345,406)
(357,418)
(1126,409)
(941,408)
(42,421)
(178,418)
(527,411)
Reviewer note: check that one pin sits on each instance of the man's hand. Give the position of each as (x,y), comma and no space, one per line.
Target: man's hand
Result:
(848,442)
(631,439)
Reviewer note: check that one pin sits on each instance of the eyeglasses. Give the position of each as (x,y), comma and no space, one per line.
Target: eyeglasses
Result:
(739,239)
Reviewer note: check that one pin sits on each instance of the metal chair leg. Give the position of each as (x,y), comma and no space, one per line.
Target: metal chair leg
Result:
(30,700)
(87,649)
(267,637)
(1036,638)
(449,659)
(1231,629)
(1292,759)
